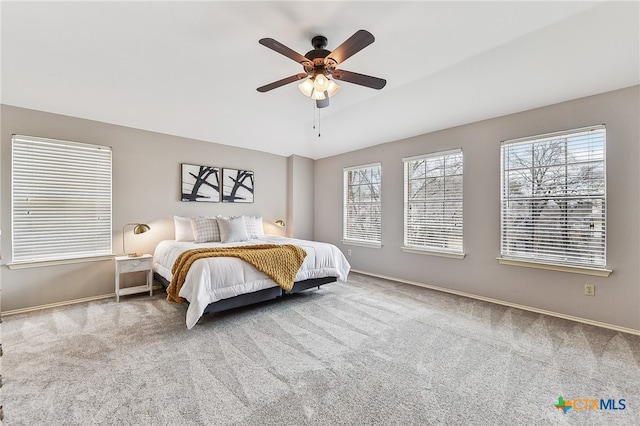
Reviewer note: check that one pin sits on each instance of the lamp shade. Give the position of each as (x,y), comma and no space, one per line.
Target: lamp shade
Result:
(320,82)
(138,228)
(141,228)
(318,95)
(332,88)
(306,87)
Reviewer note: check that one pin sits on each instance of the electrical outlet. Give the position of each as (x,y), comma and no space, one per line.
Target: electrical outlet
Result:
(349,252)
(590,289)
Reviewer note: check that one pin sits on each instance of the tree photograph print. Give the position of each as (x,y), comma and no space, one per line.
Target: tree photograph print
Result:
(200,183)
(237,186)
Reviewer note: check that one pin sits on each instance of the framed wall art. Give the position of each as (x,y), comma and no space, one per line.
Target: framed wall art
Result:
(237,186)
(200,183)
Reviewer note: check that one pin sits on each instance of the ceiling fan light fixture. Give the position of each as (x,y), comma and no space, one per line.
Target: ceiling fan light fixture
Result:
(306,87)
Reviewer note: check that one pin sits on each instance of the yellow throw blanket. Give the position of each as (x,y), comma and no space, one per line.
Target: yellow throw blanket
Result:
(279,262)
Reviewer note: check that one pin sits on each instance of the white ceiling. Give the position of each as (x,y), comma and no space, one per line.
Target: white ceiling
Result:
(192,68)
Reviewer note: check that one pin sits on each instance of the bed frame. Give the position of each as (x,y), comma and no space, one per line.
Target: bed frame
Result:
(257,296)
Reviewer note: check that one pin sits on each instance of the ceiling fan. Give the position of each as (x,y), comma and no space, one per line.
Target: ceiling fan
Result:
(319,64)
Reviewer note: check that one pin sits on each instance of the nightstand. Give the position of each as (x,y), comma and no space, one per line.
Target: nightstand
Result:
(126,264)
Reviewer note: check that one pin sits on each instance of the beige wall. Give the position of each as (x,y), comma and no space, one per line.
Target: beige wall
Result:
(146,188)
(300,197)
(617,299)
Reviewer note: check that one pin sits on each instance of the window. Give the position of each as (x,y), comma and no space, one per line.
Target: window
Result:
(61,200)
(433,202)
(554,198)
(362,205)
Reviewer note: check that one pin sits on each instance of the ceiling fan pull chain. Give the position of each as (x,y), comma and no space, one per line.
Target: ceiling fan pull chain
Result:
(313,106)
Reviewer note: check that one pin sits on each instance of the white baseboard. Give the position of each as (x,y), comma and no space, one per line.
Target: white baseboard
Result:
(65,303)
(57,305)
(501,302)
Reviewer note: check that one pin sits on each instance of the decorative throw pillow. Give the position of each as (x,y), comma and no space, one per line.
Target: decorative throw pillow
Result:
(254,226)
(233,229)
(205,229)
(184,231)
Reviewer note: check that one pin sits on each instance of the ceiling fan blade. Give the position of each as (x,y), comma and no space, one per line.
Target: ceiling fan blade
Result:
(283,50)
(361,79)
(351,46)
(282,82)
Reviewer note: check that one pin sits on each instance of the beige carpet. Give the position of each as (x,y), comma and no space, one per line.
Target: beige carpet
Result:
(370,352)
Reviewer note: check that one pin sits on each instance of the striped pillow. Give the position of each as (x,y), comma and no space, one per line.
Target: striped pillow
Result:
(205,229)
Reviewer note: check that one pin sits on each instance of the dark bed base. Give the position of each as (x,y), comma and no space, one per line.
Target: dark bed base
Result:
(258,296)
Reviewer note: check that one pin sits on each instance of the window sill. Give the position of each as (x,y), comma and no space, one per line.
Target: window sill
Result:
(38,264)
(555,267)
(362,244)
(433,253)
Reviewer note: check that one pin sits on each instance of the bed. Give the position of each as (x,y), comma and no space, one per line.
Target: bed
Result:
(220,283)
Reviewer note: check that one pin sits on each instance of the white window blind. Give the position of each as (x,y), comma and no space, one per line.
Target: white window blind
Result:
(61,199)
(433,202)
(554,198)
(362,204)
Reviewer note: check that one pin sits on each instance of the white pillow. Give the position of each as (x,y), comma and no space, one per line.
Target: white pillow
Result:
(254,226)
(205,229)
(233,229)
(183,228)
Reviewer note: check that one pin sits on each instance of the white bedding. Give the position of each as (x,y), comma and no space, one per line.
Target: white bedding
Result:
(216,278)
